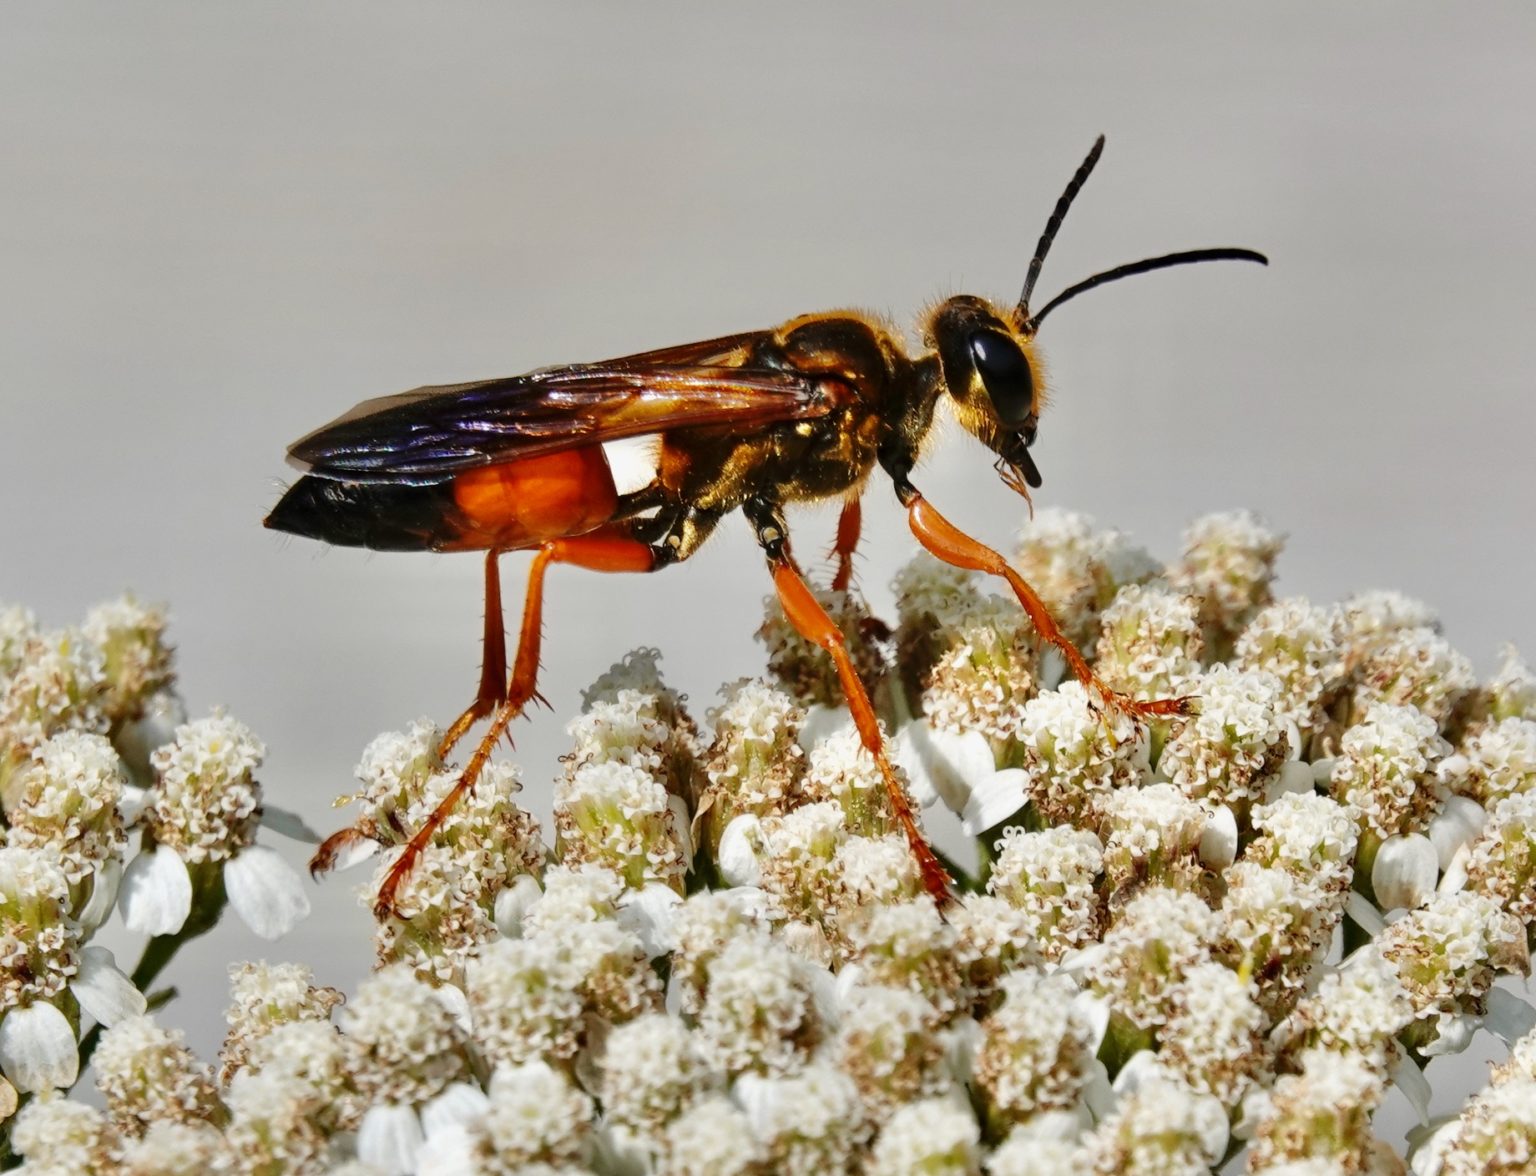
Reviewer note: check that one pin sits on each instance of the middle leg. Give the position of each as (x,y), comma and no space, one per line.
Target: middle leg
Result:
(812,622)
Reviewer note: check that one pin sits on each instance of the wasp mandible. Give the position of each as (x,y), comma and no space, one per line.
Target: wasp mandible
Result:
(802,412)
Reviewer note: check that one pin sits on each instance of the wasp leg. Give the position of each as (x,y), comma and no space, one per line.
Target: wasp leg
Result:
(955,547)
(812,622)
(614,548)
(493,662)
(603,552)
(848,525)
(490,695)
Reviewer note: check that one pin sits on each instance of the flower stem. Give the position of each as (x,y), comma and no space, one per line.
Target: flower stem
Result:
(209,900)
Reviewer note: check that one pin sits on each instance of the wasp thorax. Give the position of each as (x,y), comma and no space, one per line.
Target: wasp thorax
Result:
(992,373)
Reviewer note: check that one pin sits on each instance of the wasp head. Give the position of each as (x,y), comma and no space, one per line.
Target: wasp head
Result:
(987,355)
(995,379)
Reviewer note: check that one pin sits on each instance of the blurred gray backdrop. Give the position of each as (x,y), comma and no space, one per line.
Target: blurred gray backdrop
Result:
(221,225)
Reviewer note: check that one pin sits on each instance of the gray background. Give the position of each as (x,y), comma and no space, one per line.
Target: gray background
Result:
(221,225)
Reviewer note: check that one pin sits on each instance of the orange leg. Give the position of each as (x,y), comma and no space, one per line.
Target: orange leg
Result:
(848,524)
(954,546)
(600,551)
(493,678)
(493,662)
(812,622)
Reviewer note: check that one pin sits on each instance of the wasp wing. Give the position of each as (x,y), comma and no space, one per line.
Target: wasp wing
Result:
(433,432)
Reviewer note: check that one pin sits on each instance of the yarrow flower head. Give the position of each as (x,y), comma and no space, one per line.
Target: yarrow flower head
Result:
(1494,761)
(67,799)
(43,965)
(136,660)
(57,683)
(445,907)
(1037,1051)
(1235,746)
(1385,770)
(264,997)
(755,763)
(1323,1112)
(1078,567)
(1448,954)
(1229,563)
(1050,876)
(201,822)
(1141,964)
(1075,755)
(1414,667)
(1299,643)
(1151,642)
(147,1074)
(630,716)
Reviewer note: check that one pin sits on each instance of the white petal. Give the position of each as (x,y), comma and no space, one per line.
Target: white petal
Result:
(131,802)
(683,827)
(452,998)
(353,851)
(512,903)
(452,1150)
(1322,772)
(1096,1008)
(265,891)
(756,1097)
(1098,1095)
(1405,872)
(1457,824)
(1415,1087)
(156,893)
(104,887)
(822,722)
(389,1138)
(1212,1125)
(825,993)
(103,991)
(1454,880)
(994,799)
(38,1049)
(288,823)
(943,764)
(1364,913)
(1139,1067)
(460,1104)
(1454,1032)
(1218,841)
(1257,1106)
(1509,1018)
(651,913)
(1294,776)
(741,845)
(962,1039)
(163,713)
(1428,1157)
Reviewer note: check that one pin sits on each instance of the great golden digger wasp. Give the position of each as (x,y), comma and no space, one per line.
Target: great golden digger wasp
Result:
(754,421)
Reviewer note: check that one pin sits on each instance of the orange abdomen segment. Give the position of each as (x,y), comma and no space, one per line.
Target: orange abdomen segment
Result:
(526,501)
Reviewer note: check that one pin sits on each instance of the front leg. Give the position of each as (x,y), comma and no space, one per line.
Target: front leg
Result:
(812,622)
(955,547)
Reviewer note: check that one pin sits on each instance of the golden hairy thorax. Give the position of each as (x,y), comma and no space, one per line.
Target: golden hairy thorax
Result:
(861,363)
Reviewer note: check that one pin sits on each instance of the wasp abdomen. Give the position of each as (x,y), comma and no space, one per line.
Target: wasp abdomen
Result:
(383,516)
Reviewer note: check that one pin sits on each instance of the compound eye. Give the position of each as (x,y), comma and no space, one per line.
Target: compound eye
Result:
(1005,372)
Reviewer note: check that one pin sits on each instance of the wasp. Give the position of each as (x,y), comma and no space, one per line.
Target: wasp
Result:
(802,412)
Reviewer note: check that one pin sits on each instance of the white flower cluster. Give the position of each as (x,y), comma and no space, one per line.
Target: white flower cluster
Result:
(1224,932)
(112,803)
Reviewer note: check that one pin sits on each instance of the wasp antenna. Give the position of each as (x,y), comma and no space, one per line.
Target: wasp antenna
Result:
(1188,257)
(1064,202)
